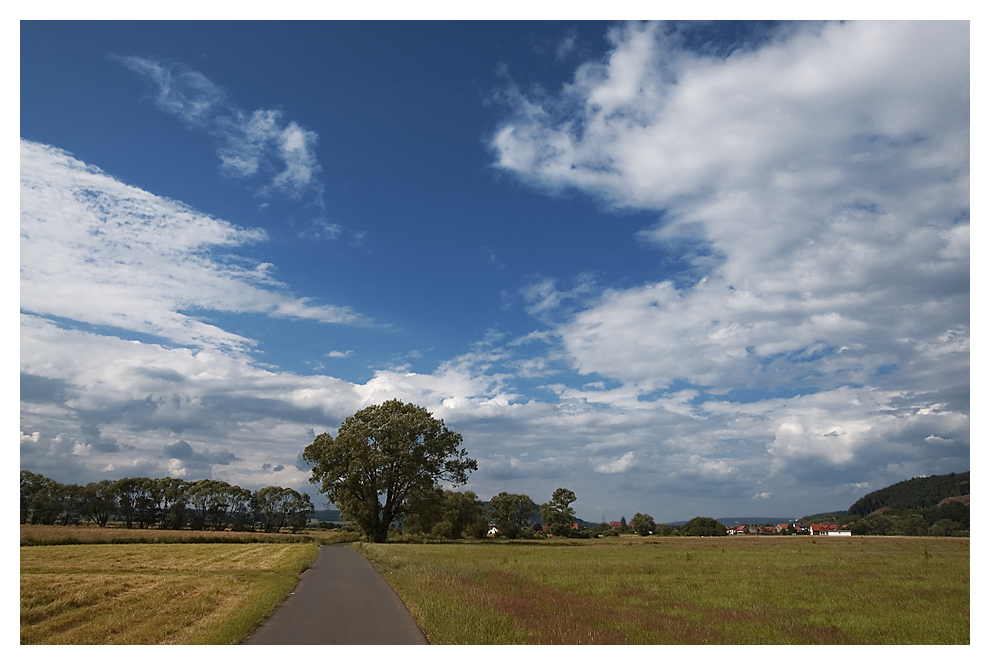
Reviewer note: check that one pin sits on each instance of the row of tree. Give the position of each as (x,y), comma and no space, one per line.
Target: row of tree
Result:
(452,515)
(162,503)
(455,515)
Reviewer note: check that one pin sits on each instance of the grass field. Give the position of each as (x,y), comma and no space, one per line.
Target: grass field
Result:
(731,590)
(154,593)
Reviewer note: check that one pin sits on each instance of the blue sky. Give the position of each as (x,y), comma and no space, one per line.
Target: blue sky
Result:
(678,268)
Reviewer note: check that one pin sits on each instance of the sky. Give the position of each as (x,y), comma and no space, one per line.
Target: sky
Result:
(679,268)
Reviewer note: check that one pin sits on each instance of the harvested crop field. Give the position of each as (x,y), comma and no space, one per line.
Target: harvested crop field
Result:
(178,593)
(43,534)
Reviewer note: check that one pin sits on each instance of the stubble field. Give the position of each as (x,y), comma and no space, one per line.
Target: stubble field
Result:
(154,593)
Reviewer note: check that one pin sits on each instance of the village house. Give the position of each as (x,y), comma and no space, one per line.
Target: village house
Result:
(819,529)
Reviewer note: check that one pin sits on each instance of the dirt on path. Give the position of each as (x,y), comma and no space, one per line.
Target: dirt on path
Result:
(340,599)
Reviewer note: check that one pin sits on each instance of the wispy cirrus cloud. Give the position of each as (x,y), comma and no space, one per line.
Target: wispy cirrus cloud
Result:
(259,144)
(97,251)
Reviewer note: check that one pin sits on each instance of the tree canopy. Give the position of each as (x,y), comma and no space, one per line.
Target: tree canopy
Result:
(448,514)
(163,503)
(383,460)
(557,514)
(511,513)
(702,526)
(643,524)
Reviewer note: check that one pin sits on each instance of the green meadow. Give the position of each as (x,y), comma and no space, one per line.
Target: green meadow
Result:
(728,590)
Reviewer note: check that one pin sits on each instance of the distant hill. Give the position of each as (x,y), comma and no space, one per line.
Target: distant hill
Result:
(325,515)
(829,516)
(914,494)
(733,521)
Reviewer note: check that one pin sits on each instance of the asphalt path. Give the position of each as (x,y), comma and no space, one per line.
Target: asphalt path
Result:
(340,599)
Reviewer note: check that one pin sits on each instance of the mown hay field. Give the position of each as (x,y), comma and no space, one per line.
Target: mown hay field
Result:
(46,534)
(155,593)
(729,590)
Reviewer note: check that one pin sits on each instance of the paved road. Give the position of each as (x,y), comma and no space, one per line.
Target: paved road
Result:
(340,599)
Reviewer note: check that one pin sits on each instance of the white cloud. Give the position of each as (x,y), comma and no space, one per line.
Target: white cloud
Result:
(295,146)
(566,46)
(827,173)
(97,251)
(250,144)
(819,185)
(545,300)
(186,94)
(617,465)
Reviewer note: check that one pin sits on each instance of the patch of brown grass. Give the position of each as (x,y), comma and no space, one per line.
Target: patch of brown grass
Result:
(124,609)
(150,557)
(47,534)
(154,593)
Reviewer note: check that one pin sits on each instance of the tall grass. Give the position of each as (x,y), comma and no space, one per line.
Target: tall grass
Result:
(733,590)
(155,593)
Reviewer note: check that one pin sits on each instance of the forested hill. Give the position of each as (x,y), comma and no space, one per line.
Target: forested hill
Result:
(916,493)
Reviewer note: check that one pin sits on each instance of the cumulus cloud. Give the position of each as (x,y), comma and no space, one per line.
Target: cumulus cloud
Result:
(816,185)
(832,183)
(816,346)
(617,465)
(182,451)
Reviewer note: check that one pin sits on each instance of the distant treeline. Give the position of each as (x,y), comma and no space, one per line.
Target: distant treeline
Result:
(914,494)
(162,503)
(949,519)
(911,508)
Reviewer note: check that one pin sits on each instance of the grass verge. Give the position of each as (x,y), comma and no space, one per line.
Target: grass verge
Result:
(733,590)
(155,593)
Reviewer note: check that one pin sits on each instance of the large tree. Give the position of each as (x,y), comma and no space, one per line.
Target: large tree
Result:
(277,507)
(511,513)
(99,501)
(448,514)
(557,514)
(383,458)
(643,524)
(702,526)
